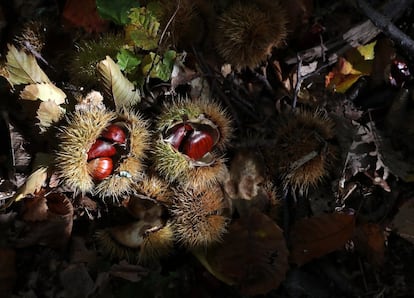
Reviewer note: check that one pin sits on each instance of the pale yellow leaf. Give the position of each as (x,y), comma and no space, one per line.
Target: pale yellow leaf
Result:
(48,113)
(116,84)
(33,183)
(23,68)
(44,92)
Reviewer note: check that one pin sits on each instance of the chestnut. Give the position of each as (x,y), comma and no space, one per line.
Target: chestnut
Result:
(100,168)
(177,134)
(101,149)
(114,133)
(198,144)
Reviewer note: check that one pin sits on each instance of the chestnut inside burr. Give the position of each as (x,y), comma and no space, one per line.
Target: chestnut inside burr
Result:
(106,152)
(195,140)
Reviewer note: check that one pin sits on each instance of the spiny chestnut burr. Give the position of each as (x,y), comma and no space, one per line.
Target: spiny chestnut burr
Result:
(136,242)
(305,152)
(114,133)
(82,158)
(199,216)
(247,31)
(192,135)
(100,168)
(82,65)
(101,149)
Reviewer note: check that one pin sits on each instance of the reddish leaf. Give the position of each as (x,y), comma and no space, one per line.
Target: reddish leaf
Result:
(314,237)
(370,241)
(252,256)
(7,270)
(84,14)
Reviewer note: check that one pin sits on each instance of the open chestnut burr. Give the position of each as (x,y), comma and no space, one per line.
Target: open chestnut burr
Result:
(101,151)
(191,139)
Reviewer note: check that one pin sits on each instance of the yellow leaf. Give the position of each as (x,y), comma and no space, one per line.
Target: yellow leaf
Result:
(48,113)
(117,85)
(23,68)
(367,51)
(44,92)
(345,67)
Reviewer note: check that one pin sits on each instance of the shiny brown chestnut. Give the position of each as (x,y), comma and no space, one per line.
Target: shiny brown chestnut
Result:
(197,144)
(114,133)
(101,149)
(100,168)
(177,134)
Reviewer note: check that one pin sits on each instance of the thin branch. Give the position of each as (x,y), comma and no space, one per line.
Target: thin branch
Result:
(387,27)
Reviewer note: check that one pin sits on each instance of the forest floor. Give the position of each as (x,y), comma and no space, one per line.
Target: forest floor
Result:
(276,163)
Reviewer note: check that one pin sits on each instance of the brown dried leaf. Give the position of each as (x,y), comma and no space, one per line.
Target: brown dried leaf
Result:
(23,68)
(8,272)
(317,236)
(253,255)
(125,94)
(44,92)
(370,241)
(128,271)
(76,281)
(56,230)
(403,222)
(35,209)
(48,113)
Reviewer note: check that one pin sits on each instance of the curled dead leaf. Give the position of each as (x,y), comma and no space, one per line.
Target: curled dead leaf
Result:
(35,209)
(317,236)
(44,92)
(253,255)
(48,113)
(124,93)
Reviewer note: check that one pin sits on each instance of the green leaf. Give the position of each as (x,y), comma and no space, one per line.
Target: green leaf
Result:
(116,11)
(143,28)
(159,67)
(128,61)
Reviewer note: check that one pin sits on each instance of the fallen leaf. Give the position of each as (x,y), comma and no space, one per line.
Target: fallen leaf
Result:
(56,230)
(317,236)
(403,222)
(23,68)
(84,14)
(253,255)
(143,28)
(370,241)
(48,113)
(33,184)
(125,94)
(76,281)
(44,92)
(356,63)
(8,274)
(128,271)
(35,209)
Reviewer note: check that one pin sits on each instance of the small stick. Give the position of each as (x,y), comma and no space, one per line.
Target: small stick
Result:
(387,27)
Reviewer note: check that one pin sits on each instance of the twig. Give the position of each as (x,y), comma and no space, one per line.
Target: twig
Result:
(387,27)
(358,35)
(299,80)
